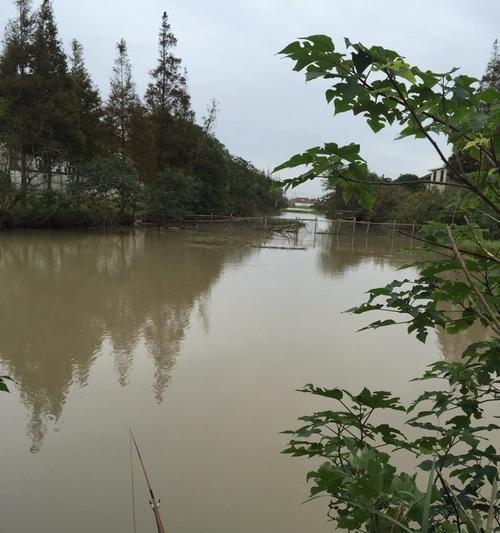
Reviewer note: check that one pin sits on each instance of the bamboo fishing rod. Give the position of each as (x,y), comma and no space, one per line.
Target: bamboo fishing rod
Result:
(154,504)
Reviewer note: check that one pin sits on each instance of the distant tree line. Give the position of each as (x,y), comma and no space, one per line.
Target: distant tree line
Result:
(405,200)
(119,157)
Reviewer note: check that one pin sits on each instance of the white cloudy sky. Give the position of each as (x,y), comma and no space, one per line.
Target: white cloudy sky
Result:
(267,111)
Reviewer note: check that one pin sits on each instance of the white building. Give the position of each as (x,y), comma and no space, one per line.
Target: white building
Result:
(439,178)
(37,179)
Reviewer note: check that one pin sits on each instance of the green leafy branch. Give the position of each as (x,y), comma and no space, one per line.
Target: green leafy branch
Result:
(381,86)
(458,285)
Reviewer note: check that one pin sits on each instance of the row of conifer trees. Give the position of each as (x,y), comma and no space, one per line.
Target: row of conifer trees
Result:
(125,154)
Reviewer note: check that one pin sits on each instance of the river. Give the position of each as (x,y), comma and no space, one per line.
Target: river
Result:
(197,340)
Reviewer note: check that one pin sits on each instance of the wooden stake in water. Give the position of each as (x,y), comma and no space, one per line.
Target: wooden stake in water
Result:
(153,502)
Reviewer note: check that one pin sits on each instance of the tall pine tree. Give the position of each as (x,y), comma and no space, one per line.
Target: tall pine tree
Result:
(88,102)
(18,40)
(55,111)
(491,77)
(166,96)
(123,98)
(183,100)
(141,145)
(17,91)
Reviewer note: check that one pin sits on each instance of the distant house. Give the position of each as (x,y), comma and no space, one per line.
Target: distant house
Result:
(302,201)
(60,174)
(439,178)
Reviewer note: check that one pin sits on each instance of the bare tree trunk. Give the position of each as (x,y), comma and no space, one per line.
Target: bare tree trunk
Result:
(24,173)
(49,177)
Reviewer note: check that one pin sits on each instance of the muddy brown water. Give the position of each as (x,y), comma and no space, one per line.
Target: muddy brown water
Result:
(197,340)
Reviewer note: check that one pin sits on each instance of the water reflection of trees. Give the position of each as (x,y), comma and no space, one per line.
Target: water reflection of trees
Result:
(452,346)
(65,295)
(341,253)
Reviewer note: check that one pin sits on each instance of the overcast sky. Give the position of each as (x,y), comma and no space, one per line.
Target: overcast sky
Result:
(267,111)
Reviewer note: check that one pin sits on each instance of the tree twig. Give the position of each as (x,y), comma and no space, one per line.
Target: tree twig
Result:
(443,158)
(458,255)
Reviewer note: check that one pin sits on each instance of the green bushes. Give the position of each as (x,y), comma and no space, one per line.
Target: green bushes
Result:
(104,191)
(401,205)
(107,185)
(412,206)
(173,194)
(108,191)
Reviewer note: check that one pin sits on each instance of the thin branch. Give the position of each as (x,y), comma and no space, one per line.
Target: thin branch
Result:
(481,247)
(456,174)
(433,243)
(450,497)
(402,184)
(488,215)
(494,318)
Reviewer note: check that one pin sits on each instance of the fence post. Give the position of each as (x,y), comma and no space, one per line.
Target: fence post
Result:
(394,229)
(353,224)
(368,227)
(265,222)
(315,225)
(413,230)
(211,217)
